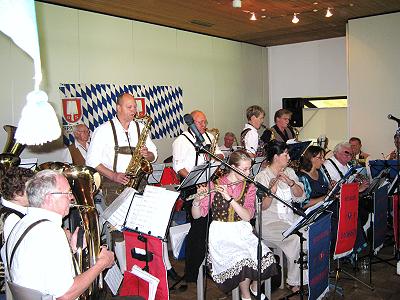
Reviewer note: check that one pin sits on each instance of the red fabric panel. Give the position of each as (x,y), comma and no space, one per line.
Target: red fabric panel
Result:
(348,216)
(131,286)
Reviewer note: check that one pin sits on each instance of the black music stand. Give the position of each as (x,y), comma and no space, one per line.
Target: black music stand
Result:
(155,176)
(296,150)
(375,244)
(376,166)
(256,166)
(394,186)
(199,174)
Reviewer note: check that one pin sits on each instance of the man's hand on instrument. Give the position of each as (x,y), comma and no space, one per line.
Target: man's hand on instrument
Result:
(120,178)
(105,258)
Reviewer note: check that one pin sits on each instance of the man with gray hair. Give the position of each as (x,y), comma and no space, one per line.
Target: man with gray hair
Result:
(76,152)
(335,168)
(38,253)
(338,165)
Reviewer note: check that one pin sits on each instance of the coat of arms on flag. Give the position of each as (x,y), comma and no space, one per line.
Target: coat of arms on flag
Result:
(72,109)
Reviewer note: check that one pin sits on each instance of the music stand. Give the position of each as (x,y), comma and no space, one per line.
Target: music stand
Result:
(256,166)
(199,175)
(394,186)
(155,177)
(296,150)
(376,166)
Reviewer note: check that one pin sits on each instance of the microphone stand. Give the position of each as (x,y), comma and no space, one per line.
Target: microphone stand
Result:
(262,191)
(398,192)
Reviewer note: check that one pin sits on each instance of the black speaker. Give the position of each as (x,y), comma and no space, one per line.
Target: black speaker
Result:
(295,105)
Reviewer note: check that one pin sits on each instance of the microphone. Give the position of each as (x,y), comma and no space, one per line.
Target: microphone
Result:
(190,123)
(390,117)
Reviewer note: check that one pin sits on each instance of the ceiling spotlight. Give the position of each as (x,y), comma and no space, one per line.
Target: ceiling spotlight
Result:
(295,19)
(328,13)
(237,3)
(253,17)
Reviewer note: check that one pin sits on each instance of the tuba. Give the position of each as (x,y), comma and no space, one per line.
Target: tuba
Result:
(85,182)
(138,166)
(11,151)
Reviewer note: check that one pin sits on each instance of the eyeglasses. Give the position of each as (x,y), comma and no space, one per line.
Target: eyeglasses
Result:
(347,153)
(62,193)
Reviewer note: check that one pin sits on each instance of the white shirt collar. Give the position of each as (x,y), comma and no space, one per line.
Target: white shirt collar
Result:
(46,214)
(12,205)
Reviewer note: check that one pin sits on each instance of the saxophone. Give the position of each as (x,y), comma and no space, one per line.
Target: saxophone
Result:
(139,166)
(215,133)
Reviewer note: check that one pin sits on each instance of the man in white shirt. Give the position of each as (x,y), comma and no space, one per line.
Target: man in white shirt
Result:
(185,158)
(335,168)
(76,152)
(183,150)
(42,257)
(111,151)
(227,147)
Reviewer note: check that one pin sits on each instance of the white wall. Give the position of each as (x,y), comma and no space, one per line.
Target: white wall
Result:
(374,86)
(310,69)
(217,76)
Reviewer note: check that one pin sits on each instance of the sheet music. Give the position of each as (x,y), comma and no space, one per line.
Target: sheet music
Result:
(152,280)
(116,213)
(29,163)
(120,254)
(113,279)
(150,213)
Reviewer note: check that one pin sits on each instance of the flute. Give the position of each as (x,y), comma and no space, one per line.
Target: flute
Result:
(202,194)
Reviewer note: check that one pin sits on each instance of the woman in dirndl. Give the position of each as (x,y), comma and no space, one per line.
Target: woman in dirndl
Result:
(232,245)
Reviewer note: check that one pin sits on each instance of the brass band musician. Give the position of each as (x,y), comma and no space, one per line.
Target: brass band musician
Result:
(113,143)
(184,159)
(76,152)
(43,259)
(282,130)
(249,137)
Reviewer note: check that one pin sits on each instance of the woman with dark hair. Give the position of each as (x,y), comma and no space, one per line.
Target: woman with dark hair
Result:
(277,217)
(232,244)
(316,185)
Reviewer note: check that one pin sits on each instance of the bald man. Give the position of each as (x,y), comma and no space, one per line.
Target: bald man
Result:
(113,143)
(185,158)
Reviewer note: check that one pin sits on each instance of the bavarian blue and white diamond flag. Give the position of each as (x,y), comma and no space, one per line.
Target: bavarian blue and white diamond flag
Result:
(94,104)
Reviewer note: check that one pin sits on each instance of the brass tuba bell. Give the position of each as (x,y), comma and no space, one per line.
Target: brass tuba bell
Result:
(11,151)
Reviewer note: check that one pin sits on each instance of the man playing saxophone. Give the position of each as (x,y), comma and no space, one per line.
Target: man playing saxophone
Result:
(113,144)
(185,158)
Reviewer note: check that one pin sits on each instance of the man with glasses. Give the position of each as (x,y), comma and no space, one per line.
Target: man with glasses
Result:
(76,152)
(335,168)
(38,253)
(185,158)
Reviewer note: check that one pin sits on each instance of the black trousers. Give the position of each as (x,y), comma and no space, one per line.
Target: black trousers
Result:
(195,247)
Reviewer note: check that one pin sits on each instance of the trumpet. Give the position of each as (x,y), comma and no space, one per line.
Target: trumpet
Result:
(202,194)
